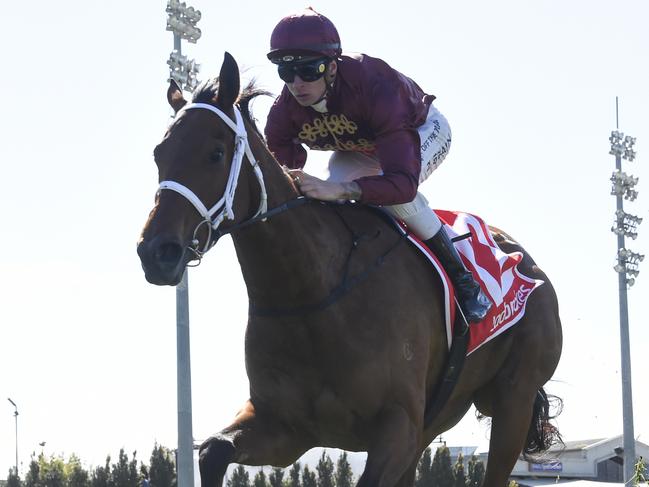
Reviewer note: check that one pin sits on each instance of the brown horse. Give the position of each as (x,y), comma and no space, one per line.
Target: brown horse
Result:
(345,340)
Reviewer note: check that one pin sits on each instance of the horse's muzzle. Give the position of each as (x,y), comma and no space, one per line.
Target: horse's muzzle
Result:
(163,260)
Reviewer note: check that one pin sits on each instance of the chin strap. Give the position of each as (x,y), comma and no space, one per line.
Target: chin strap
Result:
(320,105)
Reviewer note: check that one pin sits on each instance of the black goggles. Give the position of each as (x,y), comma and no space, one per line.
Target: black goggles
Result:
(307,71)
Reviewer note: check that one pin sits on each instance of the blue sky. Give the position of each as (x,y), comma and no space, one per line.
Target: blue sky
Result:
(87,347)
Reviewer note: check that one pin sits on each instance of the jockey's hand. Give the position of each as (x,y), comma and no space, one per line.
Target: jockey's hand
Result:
(318,189)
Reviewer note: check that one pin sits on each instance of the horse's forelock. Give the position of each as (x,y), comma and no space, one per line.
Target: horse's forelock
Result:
(206,91)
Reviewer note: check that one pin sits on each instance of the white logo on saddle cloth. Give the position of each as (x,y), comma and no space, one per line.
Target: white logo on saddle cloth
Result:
(496,271)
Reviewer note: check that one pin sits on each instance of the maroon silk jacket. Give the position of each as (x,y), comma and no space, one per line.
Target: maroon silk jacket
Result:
(373,109)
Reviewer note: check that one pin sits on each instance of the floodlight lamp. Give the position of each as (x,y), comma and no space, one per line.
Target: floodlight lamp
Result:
(629,141)
(619,268)
(616,136)
(629,155)
(630,281)
(174,24)
(192,14)
(177,58)
(172,5)
(617,149)
(192,66)
(192,34)
(635,258)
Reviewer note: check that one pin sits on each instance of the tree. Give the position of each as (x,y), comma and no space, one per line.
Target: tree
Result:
(475,472)
(240,477)
(275,477)
(325,469)
(478,474)
(458,472)
(294,476)
(260,479)
(55,472)
(76,475)
(13,479)
(308,478)
(162,470)
(101,475)
(52,471)
(32,479)
(441,470)
(144,475)
(344,476)
(424,473)
(124,472)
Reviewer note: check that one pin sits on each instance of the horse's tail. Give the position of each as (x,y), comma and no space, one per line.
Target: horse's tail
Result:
(542,434)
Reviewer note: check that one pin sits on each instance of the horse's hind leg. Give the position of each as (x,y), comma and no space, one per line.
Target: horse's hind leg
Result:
(250,440)
(393,450)
(512,414)
(510,397)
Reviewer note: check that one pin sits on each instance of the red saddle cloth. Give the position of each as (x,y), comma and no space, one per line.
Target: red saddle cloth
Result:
(495,270)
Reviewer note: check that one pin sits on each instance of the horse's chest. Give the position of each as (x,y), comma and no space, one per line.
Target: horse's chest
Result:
(318,408)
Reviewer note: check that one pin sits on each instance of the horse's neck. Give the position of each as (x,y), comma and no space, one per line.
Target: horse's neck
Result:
(288,257)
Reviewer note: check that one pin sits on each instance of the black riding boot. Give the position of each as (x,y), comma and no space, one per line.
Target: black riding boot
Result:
(474,303)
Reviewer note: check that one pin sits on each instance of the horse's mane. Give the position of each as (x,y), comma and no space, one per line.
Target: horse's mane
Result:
(207,90)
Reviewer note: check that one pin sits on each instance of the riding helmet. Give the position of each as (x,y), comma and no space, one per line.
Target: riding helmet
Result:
(306,33)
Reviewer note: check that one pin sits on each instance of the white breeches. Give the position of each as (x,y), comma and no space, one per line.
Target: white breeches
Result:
(435,137)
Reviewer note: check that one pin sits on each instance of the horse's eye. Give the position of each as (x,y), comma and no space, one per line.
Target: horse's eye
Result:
(217,155)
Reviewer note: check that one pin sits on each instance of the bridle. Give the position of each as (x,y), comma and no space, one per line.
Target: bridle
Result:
(222,209)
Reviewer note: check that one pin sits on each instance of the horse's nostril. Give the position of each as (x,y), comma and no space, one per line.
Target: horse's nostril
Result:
(168,254)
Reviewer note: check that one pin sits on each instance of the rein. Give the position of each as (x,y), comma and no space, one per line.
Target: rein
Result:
(347,283)
(222,210)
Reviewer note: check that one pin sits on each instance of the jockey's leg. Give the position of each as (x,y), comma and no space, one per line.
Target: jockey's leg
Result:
(424,223)
(347,166)
(250,440)
(435,137)
(393,451)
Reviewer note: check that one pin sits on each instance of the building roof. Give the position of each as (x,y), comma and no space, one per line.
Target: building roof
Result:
(466,451)
(577,445)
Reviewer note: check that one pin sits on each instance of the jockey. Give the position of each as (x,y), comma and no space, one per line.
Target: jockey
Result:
(385,134)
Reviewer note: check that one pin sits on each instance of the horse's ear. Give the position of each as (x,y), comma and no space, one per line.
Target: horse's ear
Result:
(228,82)
(175,96)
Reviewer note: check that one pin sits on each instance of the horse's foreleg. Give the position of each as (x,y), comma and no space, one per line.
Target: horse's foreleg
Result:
(393,450)
(251,440)
(408,478)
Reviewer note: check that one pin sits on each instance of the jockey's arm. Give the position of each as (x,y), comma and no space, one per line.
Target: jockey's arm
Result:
(397,148)
(281,143)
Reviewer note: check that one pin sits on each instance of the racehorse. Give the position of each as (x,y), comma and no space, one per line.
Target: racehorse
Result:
(345,340)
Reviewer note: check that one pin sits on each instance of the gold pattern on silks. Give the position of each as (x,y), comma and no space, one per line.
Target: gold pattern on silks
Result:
(334,125)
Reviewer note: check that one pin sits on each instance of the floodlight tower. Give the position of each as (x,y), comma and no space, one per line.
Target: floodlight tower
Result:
(182,21)
(625,225)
